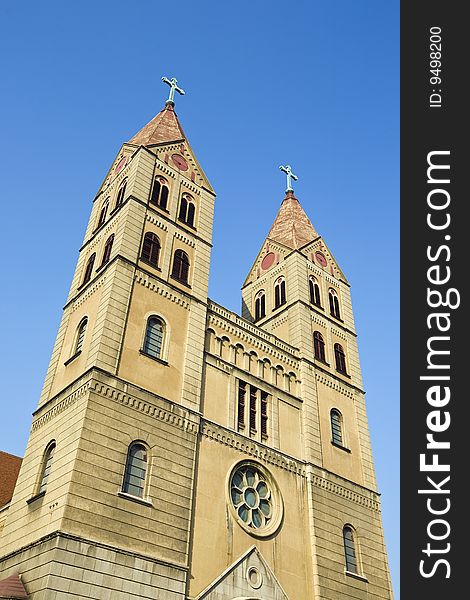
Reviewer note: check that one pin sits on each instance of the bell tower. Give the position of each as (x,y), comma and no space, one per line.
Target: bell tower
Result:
(117,419)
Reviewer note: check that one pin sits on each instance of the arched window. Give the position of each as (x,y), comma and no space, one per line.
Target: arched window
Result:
(121,193)
(180,269)
(340,359)
(319,346)
(151,249)
(187,210)
(279,292)
(80,335)
(103,213)
(334,303)
(107,249)
(46,466)
(160,193)
(136,470)
(314,289)
(349,549)
(336,427)
(89,269)
(153,341)
(260,306)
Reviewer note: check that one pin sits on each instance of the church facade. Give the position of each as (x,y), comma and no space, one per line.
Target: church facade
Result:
(181,451)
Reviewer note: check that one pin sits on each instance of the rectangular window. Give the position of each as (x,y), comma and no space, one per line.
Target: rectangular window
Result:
(264,415)
(253,398)
(241,404)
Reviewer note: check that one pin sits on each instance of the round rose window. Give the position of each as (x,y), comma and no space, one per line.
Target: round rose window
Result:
(255,499)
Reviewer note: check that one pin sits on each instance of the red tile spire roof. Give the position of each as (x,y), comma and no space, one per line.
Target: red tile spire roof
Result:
(163,128)
(9,469)
(12,588)
(292,227)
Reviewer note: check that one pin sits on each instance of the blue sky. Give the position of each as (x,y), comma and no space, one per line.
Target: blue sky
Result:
(314,84)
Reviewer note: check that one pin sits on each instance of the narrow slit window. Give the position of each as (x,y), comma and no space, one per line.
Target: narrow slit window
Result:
(279,292)
(340,358)
(46,467)
(241,404)
(314,289)
(319,346)
(253,394)
(136,470)
(260,306)
(187,210)
(121,193)
(80,336)
(160,191)
(349,550)
(264,415)
(180,269)
(334,304)
(107,250)
(89,269)
(336,427)
(103,213)
(153,341)
(151,249)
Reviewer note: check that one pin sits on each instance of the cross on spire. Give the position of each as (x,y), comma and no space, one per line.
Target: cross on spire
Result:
(173,87)
(288,171)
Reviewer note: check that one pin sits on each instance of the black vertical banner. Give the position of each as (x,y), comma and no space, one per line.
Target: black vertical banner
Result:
(435,252)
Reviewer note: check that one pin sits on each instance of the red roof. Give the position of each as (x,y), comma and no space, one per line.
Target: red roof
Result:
(9,469)
(12,588)
(292,227)
(163,128)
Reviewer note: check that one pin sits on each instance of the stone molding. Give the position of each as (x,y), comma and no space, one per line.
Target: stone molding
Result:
(157,287)
(344,492)
(335,385)
(318,321)
(250,447)
(184,239)
(79,301)
(152,410)
(60,406)
(339,334)
(156,222)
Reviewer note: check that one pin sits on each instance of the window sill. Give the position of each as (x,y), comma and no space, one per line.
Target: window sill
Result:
(323,362)
(136,499)
(280,306)
(356,576)
(317,306)
(186,224)
(180,281)
(337,318)
(153,205)
(69,360)
(36,497)
(343,373)
(157,268)
(155,358)
(340,446)
(101,267)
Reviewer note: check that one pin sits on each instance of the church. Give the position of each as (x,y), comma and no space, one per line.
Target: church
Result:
(181,451)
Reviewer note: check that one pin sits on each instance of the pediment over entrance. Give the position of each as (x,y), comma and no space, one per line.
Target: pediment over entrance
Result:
(248,578)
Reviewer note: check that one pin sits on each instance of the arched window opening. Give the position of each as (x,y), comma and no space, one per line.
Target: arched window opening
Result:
(336,427)
(151,249)
(319,346)
(314,289)
(80,335)
(121,193)
(46,467)
(340,359)
(153,341)
(107,250)
(334,303)
(180,269)
(89,269)
(349,549)
(279,292)
(103,213)
(160,191)
(260,306)
(136,470)
(187,210)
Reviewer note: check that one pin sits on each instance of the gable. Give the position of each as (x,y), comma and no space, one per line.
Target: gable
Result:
(319,253)
(248,578)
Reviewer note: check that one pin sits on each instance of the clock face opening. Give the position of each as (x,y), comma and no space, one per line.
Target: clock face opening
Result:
(268,260)
(179,161)
(121,164)
(320,258)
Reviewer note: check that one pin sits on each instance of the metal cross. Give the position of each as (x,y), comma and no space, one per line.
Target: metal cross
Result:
(288,171)
(172,83)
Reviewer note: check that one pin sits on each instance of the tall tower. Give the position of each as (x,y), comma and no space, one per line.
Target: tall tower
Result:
(180,451)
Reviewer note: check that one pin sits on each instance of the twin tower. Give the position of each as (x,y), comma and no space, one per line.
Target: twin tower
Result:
(180,451)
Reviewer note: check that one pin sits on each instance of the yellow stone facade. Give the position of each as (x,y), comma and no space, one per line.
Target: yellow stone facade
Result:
(232,407)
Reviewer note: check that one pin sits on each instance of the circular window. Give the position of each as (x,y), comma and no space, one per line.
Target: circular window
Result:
(255,499)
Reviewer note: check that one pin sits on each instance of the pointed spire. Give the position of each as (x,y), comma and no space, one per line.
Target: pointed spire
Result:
(292,227)
(164,127)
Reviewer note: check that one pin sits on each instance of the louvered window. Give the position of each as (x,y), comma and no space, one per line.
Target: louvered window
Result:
(153,342)
(136,470)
